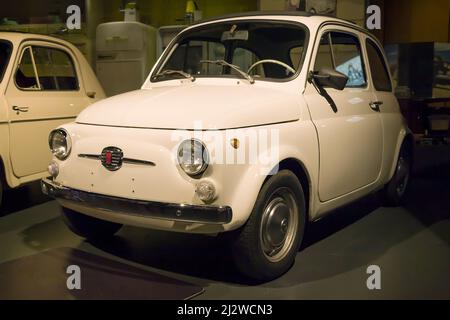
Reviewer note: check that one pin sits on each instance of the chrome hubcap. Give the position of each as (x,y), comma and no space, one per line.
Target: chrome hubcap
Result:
(279,224)
(403,176)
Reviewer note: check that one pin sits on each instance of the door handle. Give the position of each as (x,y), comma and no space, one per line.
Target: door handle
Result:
(375,105)
(18,110)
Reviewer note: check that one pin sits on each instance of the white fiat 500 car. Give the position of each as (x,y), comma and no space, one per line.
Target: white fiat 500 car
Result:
(248,126)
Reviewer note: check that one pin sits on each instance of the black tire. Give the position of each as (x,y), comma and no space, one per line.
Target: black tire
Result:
(89,227)
(395,190)
(1,191)
(251,244)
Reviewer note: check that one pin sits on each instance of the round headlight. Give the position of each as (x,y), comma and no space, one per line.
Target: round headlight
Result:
(60,144)
(193,157)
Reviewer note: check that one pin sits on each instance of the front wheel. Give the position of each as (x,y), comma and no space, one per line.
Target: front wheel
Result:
(265,248)
(1,192)
(89,227)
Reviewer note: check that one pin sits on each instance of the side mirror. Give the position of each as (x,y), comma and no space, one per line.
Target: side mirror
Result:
(329,78)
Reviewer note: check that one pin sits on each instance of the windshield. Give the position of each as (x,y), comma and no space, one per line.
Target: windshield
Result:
(5,53)
(263,50)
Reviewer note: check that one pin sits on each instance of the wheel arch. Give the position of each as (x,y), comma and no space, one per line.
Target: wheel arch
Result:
(3,182)
(303,163)
(8,181)
(298,168)
(409,143)
(406,140)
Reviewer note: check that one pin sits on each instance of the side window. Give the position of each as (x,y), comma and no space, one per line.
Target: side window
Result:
(55,69)
(25,74)
(380,75)
(348,58)
(342,52)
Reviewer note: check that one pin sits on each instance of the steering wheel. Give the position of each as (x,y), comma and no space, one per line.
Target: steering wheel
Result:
(288,67)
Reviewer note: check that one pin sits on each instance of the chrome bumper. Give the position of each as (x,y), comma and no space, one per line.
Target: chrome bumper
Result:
(157,210)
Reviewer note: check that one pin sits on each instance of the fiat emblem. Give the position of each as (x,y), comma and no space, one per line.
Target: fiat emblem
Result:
(112,158)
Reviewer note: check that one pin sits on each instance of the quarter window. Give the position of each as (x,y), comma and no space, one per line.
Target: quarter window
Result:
(296,54)
(324,57)
(378,69)
(342,52)
(25,75)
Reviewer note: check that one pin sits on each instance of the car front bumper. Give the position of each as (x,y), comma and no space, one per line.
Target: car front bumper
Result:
(186,213)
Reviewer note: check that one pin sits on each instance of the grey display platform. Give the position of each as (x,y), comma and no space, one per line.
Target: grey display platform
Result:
(52,274)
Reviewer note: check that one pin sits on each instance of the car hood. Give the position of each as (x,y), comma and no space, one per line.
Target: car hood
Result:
(194,107)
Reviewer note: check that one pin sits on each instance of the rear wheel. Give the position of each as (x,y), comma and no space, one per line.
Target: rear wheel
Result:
(394,192)
(89,227)
(266,246)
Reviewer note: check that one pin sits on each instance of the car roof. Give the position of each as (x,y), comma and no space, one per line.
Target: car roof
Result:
(310,19)
(17,37)
(279,13)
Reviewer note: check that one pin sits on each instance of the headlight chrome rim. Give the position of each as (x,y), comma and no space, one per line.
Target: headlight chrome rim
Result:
(195,143)
(68,144)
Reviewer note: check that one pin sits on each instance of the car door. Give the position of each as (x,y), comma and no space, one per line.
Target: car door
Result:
(350,136)
(384,100)
(44,92)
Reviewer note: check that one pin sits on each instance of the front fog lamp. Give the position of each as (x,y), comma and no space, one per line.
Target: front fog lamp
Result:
(53,169)
(193,157)
(206,191)
(60,144)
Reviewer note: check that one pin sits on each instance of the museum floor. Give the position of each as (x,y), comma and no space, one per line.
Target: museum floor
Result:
(411,245)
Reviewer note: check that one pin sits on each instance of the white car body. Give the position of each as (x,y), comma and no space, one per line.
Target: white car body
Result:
(337,156)
(27,116)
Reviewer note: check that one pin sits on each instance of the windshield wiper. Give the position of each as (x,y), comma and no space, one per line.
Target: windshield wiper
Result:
(234,67)
(169,72)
